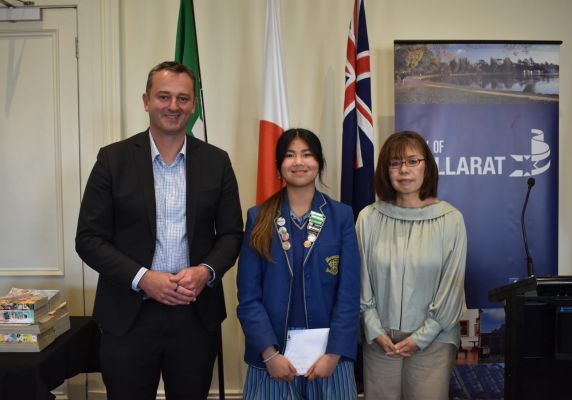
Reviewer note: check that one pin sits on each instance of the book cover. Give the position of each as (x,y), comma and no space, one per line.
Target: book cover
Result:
(53,296)
(26,342)
(42,324)
(22,299)
(20,338)
(22,316)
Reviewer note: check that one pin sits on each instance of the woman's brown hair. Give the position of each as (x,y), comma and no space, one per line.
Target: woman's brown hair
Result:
(261,235)
(395,147)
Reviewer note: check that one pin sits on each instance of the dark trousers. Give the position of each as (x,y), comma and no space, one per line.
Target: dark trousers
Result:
(164,340)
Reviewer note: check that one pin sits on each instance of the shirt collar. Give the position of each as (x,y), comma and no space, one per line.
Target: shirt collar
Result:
(155,152)
(299,220)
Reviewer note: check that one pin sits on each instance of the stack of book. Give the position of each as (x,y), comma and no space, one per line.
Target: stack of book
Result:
(31,319)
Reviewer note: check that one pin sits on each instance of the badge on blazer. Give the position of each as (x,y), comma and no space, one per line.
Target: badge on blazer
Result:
(333,265)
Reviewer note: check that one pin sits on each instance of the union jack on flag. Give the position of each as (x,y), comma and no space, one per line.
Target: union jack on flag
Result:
(357,137)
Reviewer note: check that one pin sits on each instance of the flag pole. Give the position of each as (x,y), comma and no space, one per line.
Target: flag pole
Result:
(220,362)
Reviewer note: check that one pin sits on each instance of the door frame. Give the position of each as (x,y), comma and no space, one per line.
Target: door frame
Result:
(99,91)
(99,120)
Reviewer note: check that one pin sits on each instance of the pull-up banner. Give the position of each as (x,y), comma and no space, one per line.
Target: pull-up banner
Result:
(489,112)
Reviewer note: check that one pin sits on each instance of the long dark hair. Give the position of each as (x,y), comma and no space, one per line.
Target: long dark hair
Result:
(261,235)
(395,147)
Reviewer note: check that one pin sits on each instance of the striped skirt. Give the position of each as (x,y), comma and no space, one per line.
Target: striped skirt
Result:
(340,385)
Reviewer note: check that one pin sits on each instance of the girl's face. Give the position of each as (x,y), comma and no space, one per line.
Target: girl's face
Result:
(299,167)
(407,174)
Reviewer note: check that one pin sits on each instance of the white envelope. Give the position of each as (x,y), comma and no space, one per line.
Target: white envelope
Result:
(305,346)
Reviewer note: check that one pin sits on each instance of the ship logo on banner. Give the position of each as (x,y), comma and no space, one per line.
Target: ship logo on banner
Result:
(536,162)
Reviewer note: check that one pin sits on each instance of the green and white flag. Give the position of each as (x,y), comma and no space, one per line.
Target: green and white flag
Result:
(187,53)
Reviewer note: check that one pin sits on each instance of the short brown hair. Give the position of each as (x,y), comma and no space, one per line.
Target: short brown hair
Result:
(395,147)
(171,66)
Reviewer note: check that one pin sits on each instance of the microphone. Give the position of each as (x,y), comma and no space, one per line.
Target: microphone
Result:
(529,264)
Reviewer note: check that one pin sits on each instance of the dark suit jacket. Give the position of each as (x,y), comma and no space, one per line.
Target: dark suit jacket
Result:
(117,225)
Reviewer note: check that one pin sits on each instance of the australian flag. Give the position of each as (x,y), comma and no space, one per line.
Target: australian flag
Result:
(357,151)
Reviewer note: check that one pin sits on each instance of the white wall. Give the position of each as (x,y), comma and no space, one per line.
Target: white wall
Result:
(314,32)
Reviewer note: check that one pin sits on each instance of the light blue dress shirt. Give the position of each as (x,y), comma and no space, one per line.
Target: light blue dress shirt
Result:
(171,247)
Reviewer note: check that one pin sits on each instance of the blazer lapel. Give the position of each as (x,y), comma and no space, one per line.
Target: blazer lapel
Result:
(283,223)
(318,204)
(142,155)
(193,171)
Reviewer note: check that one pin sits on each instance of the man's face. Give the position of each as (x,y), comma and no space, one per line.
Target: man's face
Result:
(170,103)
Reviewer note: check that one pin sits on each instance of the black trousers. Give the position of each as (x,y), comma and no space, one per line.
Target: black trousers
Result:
(164,340)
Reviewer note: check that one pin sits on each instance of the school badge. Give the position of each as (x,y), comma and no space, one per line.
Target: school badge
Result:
(333,265)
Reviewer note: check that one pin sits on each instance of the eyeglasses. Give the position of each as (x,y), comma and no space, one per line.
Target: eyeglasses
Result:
(410,162)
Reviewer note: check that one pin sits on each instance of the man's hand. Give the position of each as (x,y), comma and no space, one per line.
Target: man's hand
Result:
(323,367)
(192,280)
(158,286)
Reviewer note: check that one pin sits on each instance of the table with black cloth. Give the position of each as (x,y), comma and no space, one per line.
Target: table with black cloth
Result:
(31,376)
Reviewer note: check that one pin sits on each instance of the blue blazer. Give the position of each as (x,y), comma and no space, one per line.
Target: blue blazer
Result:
(331,270)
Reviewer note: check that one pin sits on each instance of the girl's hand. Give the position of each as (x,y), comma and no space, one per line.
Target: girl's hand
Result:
(323,367)
(281,369)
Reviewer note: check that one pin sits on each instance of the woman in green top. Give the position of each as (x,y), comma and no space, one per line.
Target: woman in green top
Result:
(413,249)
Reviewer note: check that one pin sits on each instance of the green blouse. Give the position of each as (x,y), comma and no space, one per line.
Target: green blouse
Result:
(412,271)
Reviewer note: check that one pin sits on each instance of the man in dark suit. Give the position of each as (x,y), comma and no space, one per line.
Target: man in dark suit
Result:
(161,222)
